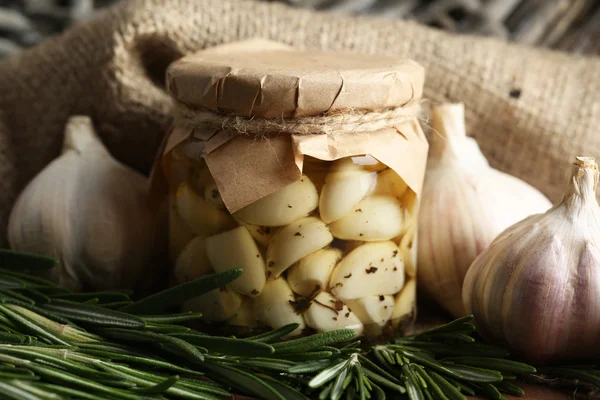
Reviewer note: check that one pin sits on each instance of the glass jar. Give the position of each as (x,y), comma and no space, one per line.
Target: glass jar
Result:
(330,245)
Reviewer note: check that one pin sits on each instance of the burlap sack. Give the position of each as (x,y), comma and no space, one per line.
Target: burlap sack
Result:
(530,110)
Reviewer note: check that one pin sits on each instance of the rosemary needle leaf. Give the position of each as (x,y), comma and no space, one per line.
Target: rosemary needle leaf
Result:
(150,362)
(244,381)
(498,364)
(92,314)
(31,326)
(489,391)
(103,297)
(9,375)
(117,305)
(42,283)
(275,334)
(9,294)
(457,324)
(463,388)
(454,370)
(325,392)
(377,392)
(412,386)
(12,338)
(70,393)
(436,391)
(179,346)
(474,374)
(225,345)
(36,296)
(44,313)
(266,364)
(288,392)
(176,295)
(315,341)
(8,389)
(454,336)
(19,260)
(328,374)
(29,387)
(185,387)
(338,385)
(67,378)
(384,382)
(310,366)
(167,328)
(309,356)
(170,318)
(159,387)
(449,390)
(370,365)
(510,388)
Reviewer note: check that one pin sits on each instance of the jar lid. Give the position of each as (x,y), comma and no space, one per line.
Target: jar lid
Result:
(260,78)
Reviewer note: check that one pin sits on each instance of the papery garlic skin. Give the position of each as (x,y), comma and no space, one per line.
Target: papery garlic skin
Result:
(465,204)
(90,212)
(536,288)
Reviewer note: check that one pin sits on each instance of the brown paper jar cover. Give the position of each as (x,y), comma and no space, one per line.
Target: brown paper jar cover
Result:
(269,202)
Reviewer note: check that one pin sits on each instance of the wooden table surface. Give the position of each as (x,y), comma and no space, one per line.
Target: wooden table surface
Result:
(430,315)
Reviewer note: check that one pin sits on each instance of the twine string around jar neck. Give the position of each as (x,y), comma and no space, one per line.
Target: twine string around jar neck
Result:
(347,121)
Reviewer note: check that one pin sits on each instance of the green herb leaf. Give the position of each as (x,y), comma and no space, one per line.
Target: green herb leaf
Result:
(91,314)
(245,381)
(315,341)
(498,364)
(160,387)
(159,302)
(13,260)
(275,334)
(225,345)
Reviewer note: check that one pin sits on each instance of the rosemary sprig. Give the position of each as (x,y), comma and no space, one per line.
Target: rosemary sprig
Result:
(55,344)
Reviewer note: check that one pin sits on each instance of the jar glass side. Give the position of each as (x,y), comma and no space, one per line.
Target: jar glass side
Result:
(336,249)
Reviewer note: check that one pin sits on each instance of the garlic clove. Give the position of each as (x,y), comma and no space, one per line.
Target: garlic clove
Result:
(202,217)
(326,313)
(313,271)
(534,289)
(404,302)
(179,233)
(236,249)
(282,207)
(369,163)
(374,268)
(372,219)
(212,195)
(273,307)
(217,305)
(372,309)
(295,241)
(192,262)
(389,183)
(91,213)
(345,185)
(464,205)
(245,315)
(408,249)
(262,234)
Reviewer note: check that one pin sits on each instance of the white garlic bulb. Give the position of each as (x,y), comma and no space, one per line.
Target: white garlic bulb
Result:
(536,288)
(465,204)
(90,212)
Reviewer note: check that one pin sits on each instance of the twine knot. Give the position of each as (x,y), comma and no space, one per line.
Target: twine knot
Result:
(339,122)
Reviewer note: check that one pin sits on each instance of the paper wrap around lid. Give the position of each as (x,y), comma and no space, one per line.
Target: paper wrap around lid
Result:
(282,82)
